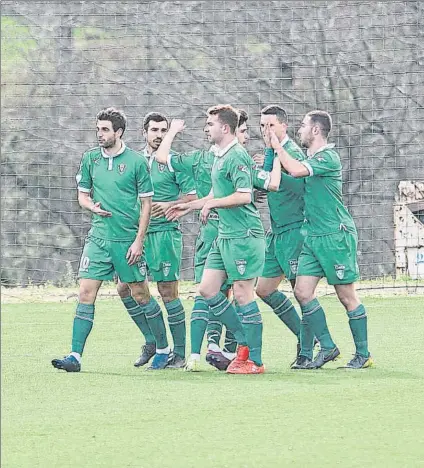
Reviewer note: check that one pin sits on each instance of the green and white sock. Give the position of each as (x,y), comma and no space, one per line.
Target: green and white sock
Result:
(177,325)
(253,327)
(358,327)
(138,315)
(284,310)
(154,317)
(314,317)
(224,311)
(83,323)
(198,324)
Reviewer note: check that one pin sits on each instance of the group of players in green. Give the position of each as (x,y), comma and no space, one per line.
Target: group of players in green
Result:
(137,200)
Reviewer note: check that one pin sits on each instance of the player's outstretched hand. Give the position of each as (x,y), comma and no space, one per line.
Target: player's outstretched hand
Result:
(159,209)
(177,126)
(177,211)
(99,211)
(259,159)
(204,214)
(134,252)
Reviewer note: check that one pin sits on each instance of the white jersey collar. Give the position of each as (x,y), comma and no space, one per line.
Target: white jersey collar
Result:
(123,148)
(330,145)
(222,152)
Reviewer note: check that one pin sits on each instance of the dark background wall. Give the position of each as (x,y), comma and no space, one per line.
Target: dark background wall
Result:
(62,62)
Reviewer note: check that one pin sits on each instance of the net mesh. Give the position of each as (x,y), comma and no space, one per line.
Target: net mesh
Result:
(62,62)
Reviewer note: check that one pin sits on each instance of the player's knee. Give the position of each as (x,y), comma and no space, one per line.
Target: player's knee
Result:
(87,295)
(206,291)
(123,290)
(263,291)
(141,297)
(302,295)
(168,291)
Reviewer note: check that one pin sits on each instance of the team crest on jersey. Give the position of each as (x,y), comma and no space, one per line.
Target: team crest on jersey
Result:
(243,169)
(293,266)
(166,268)
(340,271)
(161,167)
(262,175)
(241,266)
(142,267)
(121,168)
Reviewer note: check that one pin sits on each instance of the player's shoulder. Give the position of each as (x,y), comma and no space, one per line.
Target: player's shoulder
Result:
(328,155)
(136,156)
(91,155)
(239,152)
(294,149)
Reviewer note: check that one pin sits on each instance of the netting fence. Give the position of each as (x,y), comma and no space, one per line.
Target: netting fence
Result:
(64,61)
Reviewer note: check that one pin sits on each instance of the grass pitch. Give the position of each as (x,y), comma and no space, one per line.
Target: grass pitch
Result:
(114,415)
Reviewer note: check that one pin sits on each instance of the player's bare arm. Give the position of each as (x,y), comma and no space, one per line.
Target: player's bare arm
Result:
(160,208)
(85,201)
(235,199)
(176,126)
(181,209)
(136,248)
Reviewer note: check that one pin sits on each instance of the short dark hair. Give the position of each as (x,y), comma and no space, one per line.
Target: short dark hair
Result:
(322,119)
(227,115)
(244,117)
(155,117)
(117,118)
(276,110)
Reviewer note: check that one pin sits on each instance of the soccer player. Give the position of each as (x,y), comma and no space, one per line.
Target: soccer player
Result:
(163,243)
(286,209)
(330,247)
(199,164)
(114,184)
(239,250)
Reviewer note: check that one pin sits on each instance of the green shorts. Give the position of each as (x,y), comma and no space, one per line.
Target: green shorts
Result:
(100,259)
(282,253)
(332,256)
(163,251)
(241,259)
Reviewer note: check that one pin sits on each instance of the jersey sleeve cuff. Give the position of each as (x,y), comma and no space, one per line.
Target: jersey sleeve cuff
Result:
(193,192)
(309,167)
(146,194)
(266,182)
(169,163)
(83,189)
(244,190)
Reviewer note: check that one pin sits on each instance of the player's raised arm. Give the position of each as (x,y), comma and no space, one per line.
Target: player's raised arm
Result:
(162,153)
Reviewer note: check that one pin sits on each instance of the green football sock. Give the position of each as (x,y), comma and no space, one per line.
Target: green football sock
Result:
(358,327)
(306,339)
(177,325)
(230,342)
(284,310)
(136,312)
(214,329)
(83,323)
(198,323)
(314,317)
(253,327)
(154,317)
(224,311)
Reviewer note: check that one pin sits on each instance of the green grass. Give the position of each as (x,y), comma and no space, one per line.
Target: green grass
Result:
(114,415)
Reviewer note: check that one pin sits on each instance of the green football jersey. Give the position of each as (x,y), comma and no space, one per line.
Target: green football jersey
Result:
(325,211)
(232,172)
(117,183)
(168,186)
(286,205)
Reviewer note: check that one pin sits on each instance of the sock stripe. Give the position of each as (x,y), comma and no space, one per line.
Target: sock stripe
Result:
(84,318)
(171,324)
(156,313)
(218,314)
(310,312)
(359,317)
(180,312)
(281,305)
(193,319)
(136,315)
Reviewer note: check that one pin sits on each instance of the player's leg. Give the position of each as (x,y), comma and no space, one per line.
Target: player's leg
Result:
(148,304)
(311,269)
(277,257)
(220,308)
(244,262)
(176,321)
(95,267)
(358,325)
(136,278)
(138,315)
(342,271)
